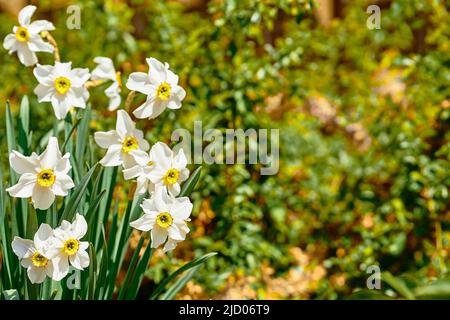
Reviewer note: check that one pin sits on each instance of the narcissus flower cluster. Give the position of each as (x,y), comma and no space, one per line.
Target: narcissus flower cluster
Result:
(158,170)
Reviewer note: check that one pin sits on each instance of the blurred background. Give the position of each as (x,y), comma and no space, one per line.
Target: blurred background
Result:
(364,142)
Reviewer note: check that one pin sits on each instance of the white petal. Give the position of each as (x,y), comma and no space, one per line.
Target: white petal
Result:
(42,235)
(181,208)
(36,275)
(26,56)
(43,74)
(104,70)
(124,125)
(139,156)
(174,189)
(162,155)
(63,166)
(38,26)
(76,97)
(21,246)
(157,71)
(79,76)
(180,160)
(63,69)
(80,260)
(139,81)
(184,174)
(83,245)
(60,267)
(159,198)
(63,183)
(79,226)
(144,223)
(159,235)
(143,185)
(51,156)
(25,15)
(9,41)
(106,139)
(113,156)
(148,205)
(151,109)
(23,164)
(171,78)
(132,172)
(26,263)
(61,106)
(42,197)
(170,245)
(24,187)
(128,160)
(44,93)
(174,233)
(36,44)
(112,92)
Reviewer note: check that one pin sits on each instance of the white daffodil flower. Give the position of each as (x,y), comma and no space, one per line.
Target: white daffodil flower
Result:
(62,86)
(126,145)
(142,170)
(169,170)
(166,217)
(36,255)
(26,40)
(105,71)
(70,248)
(42,177)
(161,87)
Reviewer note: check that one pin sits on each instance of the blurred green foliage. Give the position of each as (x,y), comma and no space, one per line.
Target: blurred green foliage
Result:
(363,117)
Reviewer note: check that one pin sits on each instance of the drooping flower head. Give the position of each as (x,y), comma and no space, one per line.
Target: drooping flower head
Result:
(161,87)
(169,170)
(36,255)
(26,39)
(125,145)
(69,247)
(42,176)
(166,217)
(105,71)
(62,86)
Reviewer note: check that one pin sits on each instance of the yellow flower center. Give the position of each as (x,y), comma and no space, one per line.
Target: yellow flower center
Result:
(22,34)
(150,163)
(171,176)
(119,78)
(62,85)
(46,178)
(129,143)
(39,260)
(163,91)
(71,247)
(164,220)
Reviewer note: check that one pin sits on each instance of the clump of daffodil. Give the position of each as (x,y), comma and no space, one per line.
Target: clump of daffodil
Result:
(42,176)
